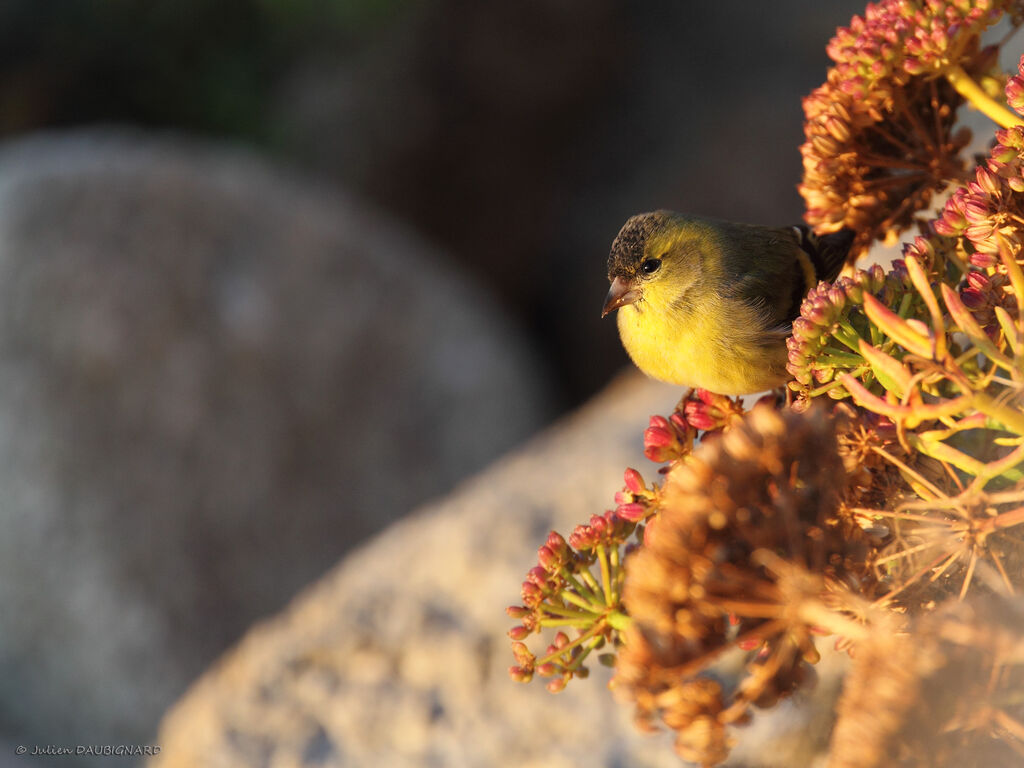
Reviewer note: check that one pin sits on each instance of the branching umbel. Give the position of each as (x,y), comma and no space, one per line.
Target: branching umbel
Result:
(883,502)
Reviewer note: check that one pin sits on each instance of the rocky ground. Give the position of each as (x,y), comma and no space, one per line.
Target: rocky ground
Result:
(215,378)
(398,656)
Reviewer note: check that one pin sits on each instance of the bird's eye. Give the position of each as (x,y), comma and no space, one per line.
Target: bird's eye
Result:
(650,266)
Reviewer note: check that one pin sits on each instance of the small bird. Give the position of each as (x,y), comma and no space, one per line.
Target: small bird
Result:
(709,303)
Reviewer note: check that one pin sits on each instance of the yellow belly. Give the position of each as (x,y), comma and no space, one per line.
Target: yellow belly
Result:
(717,346)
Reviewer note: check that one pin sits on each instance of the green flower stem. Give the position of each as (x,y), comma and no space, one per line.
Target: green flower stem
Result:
(578,661)
(569,646)
(618,620)
(584,590)
(617,570)
(942,452)
(846,334)
(594,588)
(839,359)
(970,90)
(1011,419)
(571,613)
(606,578)
(581,623)
(595,630)
(580,602)
(905,305)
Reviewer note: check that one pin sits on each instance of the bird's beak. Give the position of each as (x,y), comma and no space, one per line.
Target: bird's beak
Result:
(620,294)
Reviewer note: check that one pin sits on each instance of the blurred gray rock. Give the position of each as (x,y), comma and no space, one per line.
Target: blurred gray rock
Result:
(399,657)
(214,379)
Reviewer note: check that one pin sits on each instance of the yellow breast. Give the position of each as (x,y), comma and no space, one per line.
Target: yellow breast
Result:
(714,344)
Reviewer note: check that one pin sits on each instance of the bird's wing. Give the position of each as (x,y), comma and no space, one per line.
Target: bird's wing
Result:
(827,252)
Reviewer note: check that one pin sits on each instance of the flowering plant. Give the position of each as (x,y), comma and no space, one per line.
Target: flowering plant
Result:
(881,501)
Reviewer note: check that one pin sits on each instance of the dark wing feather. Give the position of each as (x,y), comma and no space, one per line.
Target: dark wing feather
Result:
(827,252)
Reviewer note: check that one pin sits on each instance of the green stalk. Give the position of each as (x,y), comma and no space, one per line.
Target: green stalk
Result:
(591,582)
(580,623)
(579,602)
(618,620)
(583,590)
(970,90)
(571,613)
(606,581)
(1011,419)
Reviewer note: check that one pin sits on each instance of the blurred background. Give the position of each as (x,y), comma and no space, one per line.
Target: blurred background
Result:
(273,272)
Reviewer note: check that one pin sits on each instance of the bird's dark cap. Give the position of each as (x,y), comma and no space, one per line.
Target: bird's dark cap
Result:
(630,244)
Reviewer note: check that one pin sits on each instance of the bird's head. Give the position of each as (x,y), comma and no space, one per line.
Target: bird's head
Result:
(655,258)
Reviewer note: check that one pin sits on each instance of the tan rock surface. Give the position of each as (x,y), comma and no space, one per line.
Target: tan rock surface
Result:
(209,370)
(398,656)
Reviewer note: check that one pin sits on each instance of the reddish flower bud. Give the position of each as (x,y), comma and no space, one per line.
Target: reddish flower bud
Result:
(532,594)
(978,280)
(634,481)
(973,298)
(984,260)
(658,421)
(988,181)
(656,437)
(522,654)
(520,675)
(519,633)
(548,560)
(538,576)
(1015,93)
(556,544)
(679,422)
(547,669)
(632,512)
(557,685)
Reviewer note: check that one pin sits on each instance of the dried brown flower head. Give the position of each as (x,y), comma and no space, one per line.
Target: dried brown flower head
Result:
(748,546)
(880,132)
(943,692)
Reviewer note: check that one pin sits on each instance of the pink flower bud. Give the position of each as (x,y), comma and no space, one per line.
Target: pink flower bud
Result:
(633,512)
(522,654)
(557,685)
(531,593)
(984,259)
(556,543)
(978,280)
(679,422)
(699,416)
(1015,94)
(520,675)
(547,670)
(538,576)
(658,421)
(548,560)
(634,481)
(973,298)
(657,437)
(988,181)
(519,633)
